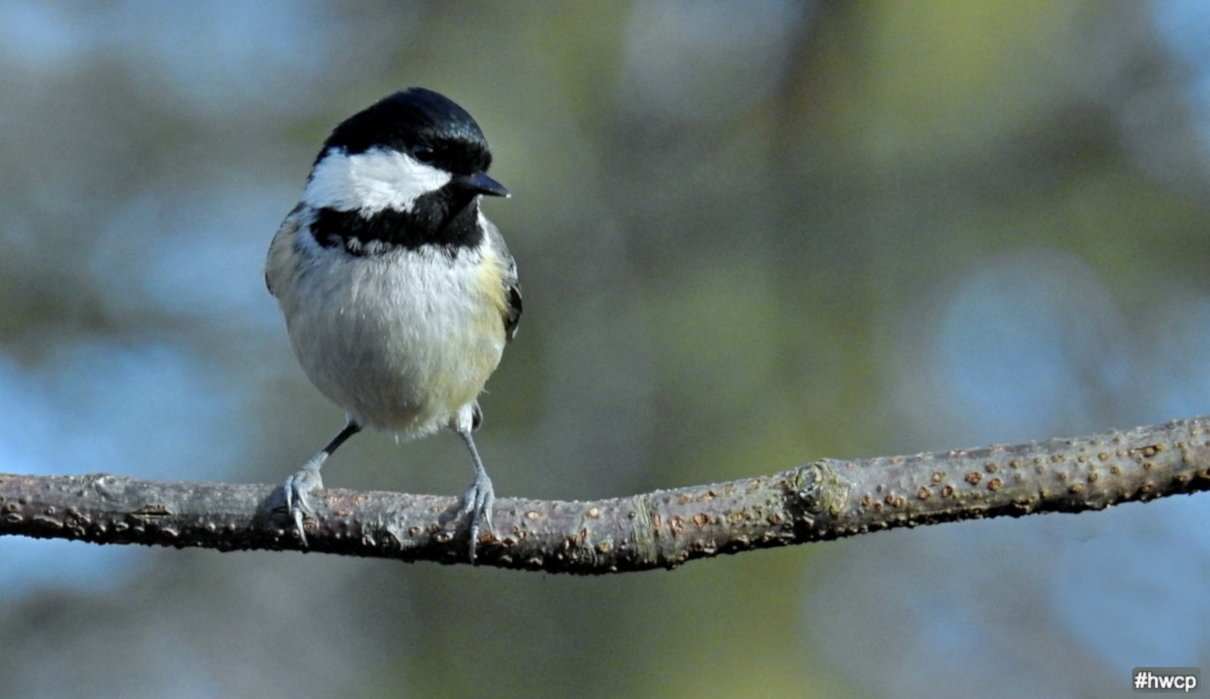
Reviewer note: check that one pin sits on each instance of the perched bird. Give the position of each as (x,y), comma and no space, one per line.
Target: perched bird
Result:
(398,294)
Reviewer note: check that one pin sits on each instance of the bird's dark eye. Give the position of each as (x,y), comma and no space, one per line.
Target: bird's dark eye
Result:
(424,154)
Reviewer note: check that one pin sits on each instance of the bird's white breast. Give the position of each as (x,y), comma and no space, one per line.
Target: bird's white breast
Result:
(404,340)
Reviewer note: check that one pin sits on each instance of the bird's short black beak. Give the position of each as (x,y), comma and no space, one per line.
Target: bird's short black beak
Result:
(480,183)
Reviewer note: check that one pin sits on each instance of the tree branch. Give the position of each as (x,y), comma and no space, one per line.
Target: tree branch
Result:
(825,499)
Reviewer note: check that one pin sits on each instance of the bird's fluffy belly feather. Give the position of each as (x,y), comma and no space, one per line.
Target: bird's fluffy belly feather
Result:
(403,340)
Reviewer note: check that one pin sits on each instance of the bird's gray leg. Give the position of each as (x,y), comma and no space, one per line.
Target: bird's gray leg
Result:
(300,484)
(478,499)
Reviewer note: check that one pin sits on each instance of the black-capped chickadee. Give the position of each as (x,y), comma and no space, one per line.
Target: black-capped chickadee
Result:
(399,295)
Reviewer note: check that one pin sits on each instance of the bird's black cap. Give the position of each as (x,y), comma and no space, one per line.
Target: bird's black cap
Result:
(425,124)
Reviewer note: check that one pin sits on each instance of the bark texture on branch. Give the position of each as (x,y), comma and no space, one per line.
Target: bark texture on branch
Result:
(825,499)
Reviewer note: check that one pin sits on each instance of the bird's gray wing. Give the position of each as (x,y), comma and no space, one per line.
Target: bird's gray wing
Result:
(512,282)
(282,240)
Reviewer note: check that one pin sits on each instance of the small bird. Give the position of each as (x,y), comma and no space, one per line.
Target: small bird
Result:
(399,295)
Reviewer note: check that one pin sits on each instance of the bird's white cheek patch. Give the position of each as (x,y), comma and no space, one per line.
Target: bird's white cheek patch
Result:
(371,182)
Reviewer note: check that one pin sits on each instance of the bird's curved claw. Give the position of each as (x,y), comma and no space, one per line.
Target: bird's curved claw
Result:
(297,489)
(477,504)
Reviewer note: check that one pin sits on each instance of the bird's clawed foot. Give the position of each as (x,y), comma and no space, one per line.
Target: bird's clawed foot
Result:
(477,504)
(297,490)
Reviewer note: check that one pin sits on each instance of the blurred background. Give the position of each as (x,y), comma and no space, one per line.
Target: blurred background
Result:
(750,235)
